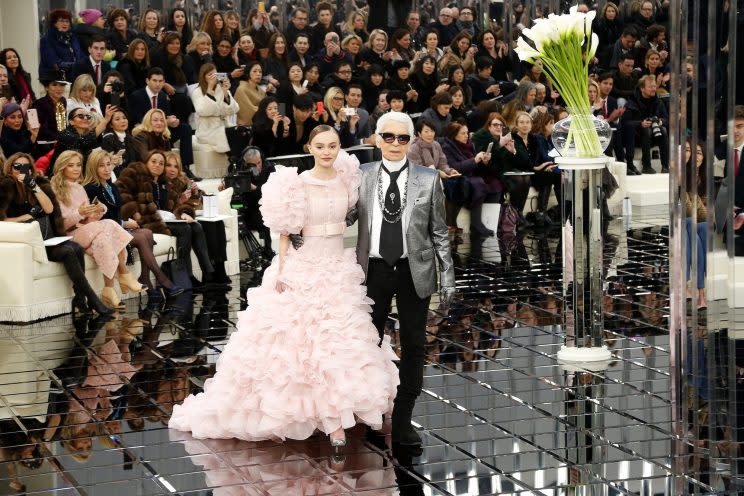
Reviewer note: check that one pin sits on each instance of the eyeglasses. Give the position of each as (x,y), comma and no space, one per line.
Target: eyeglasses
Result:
(496,124)
(466,13)
(402,139)
(338,99)
(87,117)
(347,71)
(445,15)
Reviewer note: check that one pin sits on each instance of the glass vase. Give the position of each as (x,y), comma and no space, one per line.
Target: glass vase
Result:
(581,134)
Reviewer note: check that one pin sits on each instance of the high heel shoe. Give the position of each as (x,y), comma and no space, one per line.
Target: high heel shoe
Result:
(110,298)
(101,309)
(129,284)
(80,305)
(337,442)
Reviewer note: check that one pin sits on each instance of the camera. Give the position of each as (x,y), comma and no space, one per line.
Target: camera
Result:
(117,86)
(656,126)
(240,176)
(221,77)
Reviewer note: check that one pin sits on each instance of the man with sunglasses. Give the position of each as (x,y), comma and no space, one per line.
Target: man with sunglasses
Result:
(402,231)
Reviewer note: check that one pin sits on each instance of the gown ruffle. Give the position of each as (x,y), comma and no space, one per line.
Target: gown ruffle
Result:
(307,358)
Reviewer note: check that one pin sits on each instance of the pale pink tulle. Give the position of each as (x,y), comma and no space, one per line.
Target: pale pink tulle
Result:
(283,200)
(347,167)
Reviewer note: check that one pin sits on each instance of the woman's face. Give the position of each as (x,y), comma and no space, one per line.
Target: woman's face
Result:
(86,95)
(233,23)
(174,47)
(255,74)
(312,75)
(549,127)
(457,99)
(427,134)
(119,122)
(55,90)
(376,79)
(432,40)
(11,60)
(378,44)
(524,124)
(17,174)
(358,22)
(104,169)
(219,23)
(171,169)
(353,47)
(382,102)
(157,122)
(3,76)
(462,135)
(592,93)
(337,101)
(458,75)
(295,74)
(699,156)
(489,41)
(403,73)
(280,46)
(224,48)
(179,19)
(537,68)
(444,109)
(653,61)
(155,165)
(272,110)
(202,46)
(15,120)
(405,41)
(428,67)
(324,148)
(151,21)
(62,25)
(81,120)
(139,52)
(121,23)
(540,95)
(463,45)
(610,13)
(74,169)
(529,99)
(246,44)
(496,127)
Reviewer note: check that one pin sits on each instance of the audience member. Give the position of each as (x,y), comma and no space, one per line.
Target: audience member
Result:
(151,134)
(646,115)
(81,135)
(60,49)
(438,115)
(118,140)
(83,95)
(446,27)
(249,93)
(16,134)
(178,21)
(18,79)
(460,53)
(134,65)
(150,29)
(92,25)
(52,108)
(624,80)
(120,35)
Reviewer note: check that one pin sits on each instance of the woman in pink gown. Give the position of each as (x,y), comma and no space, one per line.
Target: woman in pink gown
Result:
(305,355)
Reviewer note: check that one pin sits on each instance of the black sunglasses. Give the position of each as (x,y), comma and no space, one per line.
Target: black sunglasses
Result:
(21,167)
(390,137)
(83,116)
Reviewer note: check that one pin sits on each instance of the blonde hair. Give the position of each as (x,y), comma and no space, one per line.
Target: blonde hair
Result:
(328,100)
(375,33)
(143,18)
(199,36)
(146,124)
(59,182)
(596,86)
(82,82)
(177,157)
(345,42)
(91,167)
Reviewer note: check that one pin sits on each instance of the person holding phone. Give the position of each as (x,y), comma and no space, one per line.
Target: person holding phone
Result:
(17,134)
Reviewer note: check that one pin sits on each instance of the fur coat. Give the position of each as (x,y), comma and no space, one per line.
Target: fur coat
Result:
(137,200)
(175,188)
(9,194)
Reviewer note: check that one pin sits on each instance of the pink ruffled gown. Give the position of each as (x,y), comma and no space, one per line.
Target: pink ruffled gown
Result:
(307,358)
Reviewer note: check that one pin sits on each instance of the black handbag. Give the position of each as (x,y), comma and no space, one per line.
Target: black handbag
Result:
(176,270)
(45,226)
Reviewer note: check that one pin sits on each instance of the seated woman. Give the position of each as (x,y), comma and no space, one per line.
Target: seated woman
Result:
(118,141)
(134,66)
(546,175)
(200,50)
(100,188)
(249,94)
(104,240)
(269,127)
(18,79)
(25,196)
(214,104)
(184,197)
(482,176)
(439,112)
(83,95)
(246,52)
(52,108)
(79,135)
(151,134)
(696,206)
(144,195)
(16,135)
(426,151)
(335,115)
(291,86)
(224,62)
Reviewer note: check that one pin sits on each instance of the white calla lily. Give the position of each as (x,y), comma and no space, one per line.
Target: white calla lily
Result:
(525,51)
(595,44)
(588,22)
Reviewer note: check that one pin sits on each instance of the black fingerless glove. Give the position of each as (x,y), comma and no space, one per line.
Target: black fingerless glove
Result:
(29,181)
(296,240)
(36,211)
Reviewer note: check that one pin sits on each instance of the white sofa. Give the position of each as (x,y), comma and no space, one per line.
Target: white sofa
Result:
(32,287)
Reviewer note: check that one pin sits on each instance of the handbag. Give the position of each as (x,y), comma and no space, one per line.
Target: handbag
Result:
(509,219)
(45,226)
(176,270)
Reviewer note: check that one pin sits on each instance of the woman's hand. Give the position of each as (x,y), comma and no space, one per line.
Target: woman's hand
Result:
(442,88)
(189,219)
(169,89)
(280,286)
(412,95)
(480,158)
(454,173)
(211,82)
(130,224)
(86,210)
(341,116)
(185,196)
(236,74)
(504,140)
(353,120)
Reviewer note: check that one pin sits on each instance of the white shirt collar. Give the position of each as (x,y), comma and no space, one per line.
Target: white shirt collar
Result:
(93,62)
(393,166)
(150,94)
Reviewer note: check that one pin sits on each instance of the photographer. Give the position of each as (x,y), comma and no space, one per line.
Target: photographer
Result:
(112,91)
(247,177)
(646,115)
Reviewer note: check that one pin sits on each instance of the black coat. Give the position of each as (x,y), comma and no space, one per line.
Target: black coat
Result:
(85,66)
(639,108)
(16,141)
(47,117)
(70,139)
(85,32)
(134,74)
(113,205)
(139,104)
(119,43)
(378,14)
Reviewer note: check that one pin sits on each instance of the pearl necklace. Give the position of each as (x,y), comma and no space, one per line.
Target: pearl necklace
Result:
(388,216)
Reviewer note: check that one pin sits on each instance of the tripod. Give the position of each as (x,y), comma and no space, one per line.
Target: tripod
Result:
(257,258)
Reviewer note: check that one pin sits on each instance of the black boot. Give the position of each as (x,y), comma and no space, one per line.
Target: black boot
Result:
(220,277)
(403,432)
(541,218)
(606,215)
(632,170)
(191,175)
(84,292)
(476,224)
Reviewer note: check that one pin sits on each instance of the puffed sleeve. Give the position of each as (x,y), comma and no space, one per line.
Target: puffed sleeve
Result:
(283,201)
(347,166)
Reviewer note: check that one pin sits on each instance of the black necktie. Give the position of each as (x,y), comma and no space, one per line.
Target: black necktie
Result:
(391,234)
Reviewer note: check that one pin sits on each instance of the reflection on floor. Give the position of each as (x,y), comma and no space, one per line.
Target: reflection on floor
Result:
(84,403)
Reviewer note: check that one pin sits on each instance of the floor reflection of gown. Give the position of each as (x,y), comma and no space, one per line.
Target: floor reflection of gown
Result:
(307,358)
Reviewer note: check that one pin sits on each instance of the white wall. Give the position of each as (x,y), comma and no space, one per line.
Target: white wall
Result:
(19,28)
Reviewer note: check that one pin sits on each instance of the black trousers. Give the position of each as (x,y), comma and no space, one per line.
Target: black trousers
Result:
(190,236)
(384,282)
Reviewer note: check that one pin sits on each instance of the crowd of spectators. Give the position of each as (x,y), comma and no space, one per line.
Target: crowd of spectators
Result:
(140,86)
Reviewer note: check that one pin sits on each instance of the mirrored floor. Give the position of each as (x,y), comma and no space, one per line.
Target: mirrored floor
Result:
(84,403)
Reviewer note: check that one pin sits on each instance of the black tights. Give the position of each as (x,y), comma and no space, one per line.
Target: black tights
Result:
(519,190)
(144,242)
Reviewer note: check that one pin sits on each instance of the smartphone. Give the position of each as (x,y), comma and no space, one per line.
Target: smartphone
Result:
(95,201)
(33,118)
(282,109)
(262,7)
(490,147)
(304,83)
(320,107)
(121,152)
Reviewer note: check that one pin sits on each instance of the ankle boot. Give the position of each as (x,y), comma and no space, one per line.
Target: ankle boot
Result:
(476,224)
